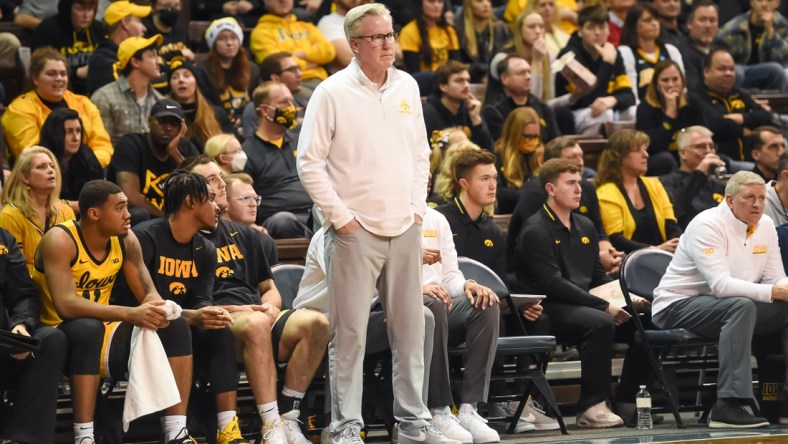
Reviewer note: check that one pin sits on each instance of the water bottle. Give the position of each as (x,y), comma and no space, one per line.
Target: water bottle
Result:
(643,404)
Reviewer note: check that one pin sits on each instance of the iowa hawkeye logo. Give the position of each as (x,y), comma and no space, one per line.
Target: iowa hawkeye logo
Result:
(177,289)
(224,272)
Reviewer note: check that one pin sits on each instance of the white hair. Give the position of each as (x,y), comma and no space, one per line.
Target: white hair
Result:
(354,16)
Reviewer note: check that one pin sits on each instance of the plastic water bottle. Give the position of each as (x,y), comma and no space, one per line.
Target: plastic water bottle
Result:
(643,404)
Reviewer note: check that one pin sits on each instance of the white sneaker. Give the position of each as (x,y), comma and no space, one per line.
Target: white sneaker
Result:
(446,423)
(599,416)
(503,410)
(351,435)
(425,435)
(274,432)
(535,414)
(470,420)
(292,428)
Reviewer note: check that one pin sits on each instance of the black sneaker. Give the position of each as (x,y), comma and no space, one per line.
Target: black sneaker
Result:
(734,417)
(183,438)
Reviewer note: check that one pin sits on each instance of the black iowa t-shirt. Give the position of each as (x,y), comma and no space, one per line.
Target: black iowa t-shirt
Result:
(241,264)
(181,272)
(133,154)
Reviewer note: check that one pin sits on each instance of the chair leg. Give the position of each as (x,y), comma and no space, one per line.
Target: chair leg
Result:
(541,385)
(668,386)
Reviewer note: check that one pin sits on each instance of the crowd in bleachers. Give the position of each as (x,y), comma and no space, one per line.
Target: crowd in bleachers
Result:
(119,91)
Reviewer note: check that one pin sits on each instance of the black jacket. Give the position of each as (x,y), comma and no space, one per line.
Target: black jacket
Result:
(663,130)
(101,66)
(58,32)
(495,115)
(612,80)
(728,134)
(20,302)
(691,193)
(438,117)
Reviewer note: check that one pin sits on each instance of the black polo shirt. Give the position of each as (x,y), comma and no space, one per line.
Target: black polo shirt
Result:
(531,201)
(560,262)
(273,170)
(479,239)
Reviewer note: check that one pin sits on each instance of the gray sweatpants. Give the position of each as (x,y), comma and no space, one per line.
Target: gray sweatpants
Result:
(357,263)
(734,321)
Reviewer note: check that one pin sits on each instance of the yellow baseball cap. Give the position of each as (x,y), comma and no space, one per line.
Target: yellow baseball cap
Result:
(116,11)
(131,45)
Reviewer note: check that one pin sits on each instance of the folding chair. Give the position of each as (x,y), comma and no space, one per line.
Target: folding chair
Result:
(537,347)
(641,273)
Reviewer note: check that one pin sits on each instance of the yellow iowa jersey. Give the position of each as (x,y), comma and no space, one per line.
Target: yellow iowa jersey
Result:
(94,279)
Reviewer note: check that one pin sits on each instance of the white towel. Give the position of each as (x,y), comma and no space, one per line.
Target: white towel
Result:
(152,386)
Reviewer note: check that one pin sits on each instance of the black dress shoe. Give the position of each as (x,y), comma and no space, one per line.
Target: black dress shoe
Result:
(735,417)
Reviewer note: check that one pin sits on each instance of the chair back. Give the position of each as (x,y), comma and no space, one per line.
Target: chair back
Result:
(287,278)
(477,271)
(642,270)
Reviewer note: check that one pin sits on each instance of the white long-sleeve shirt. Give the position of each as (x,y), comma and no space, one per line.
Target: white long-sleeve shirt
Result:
(436,233)
(716,256)
(313,289)
(363,151)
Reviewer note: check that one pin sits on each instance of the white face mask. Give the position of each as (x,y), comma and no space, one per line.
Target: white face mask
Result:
(239,161)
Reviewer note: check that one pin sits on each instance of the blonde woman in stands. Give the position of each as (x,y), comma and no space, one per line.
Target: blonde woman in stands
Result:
(636,210)
(31,200)
(565,11)
(481,36)
(519,152)
(226,151)
(440,142)
(443,179)
(529,43)
(663,113)
(555,37)
(231,72)
(25,116)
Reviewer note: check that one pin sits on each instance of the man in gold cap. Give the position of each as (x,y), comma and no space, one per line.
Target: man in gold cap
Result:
(123,20)
(125,103)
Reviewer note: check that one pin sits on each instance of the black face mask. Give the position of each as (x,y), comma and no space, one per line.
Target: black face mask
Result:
(168,17)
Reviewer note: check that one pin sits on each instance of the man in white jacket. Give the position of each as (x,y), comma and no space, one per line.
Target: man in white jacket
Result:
(726,281)
(363,159)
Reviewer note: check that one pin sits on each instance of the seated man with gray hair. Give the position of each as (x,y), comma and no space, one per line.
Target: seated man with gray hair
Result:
(695,187)
(726,281)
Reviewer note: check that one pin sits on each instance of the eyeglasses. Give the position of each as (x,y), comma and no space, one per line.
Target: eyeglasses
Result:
(292,70)
(245,199)
(704,146)
(378,39)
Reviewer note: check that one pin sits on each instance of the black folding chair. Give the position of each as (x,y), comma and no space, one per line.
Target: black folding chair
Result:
(641,273)
(538,348)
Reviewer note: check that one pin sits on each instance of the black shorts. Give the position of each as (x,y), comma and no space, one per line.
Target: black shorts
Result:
(276,334)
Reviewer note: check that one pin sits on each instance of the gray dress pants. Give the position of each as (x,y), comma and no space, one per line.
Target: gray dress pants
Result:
(479,330)
(733,321)
(357,263)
